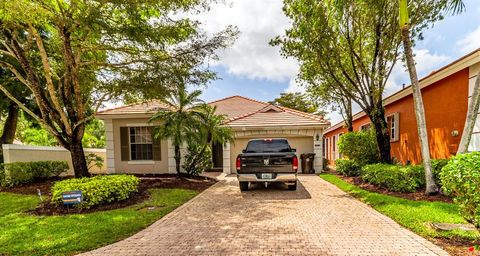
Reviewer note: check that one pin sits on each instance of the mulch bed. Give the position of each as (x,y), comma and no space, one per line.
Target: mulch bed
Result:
(416,196)
(146,183)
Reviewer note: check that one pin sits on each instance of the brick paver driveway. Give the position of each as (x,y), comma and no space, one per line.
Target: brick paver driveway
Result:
(317,219)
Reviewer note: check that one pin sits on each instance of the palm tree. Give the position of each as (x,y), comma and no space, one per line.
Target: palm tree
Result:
(179,121)
(210,130)
(454,6)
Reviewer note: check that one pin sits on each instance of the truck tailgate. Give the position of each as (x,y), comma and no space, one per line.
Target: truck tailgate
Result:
(266,163)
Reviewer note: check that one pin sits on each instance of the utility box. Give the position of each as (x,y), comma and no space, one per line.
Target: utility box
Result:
(307,162)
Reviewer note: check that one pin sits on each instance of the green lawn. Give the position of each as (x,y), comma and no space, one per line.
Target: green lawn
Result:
(24,234)
(414,215)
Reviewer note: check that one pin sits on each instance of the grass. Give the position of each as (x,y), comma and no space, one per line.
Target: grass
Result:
(414,215)
(25,234)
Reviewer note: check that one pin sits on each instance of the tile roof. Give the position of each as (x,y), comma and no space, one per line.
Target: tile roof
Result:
(149,107)
(239,110)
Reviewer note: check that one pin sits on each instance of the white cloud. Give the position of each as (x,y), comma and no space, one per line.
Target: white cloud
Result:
(470,42)
(251,56)
(294,86)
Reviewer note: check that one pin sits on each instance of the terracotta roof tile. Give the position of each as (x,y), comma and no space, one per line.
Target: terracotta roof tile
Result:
(240,111)
(136,108)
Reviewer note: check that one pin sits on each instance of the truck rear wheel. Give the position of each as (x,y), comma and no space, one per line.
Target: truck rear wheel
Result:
(293,186)
(243,185)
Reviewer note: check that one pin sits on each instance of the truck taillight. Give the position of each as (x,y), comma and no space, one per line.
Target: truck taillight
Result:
(295,163)
(238,163)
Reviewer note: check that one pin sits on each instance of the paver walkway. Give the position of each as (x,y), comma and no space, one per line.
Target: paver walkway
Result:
(317,219)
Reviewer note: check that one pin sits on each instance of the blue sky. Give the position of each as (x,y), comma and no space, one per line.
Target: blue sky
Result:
(254,69)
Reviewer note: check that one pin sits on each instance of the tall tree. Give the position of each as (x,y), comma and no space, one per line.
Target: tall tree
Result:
(179,122)
(298,101)
(10,109)
(209,129)
(72,55)
(405,27)
(354,43)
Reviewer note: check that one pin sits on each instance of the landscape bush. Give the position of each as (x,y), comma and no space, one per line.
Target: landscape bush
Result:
(360,147)
(437,165)
(348,167)
(461,180)
(395,178)
(97,190)
(13,174)
(198,159)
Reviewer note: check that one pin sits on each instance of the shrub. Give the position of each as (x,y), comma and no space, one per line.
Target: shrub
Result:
(2,176)
(437,165)
(97,190)
(461,179)
(26,172)
(394,177)
(348,167)
(360,147)
(198,159)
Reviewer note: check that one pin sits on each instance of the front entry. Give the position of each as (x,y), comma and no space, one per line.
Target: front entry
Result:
(217,155)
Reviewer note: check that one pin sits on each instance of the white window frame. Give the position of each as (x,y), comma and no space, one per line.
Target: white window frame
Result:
(139,143)
(394,132)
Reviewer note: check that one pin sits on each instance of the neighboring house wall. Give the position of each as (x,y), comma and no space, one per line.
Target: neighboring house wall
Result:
(445,105)
(475,142)
(25,153)
(139,166)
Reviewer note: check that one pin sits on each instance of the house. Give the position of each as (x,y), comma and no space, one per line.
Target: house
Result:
(445,93)
(131,149)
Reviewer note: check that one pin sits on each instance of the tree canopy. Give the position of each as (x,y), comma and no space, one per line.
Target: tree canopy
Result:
(72,55)
(298,101)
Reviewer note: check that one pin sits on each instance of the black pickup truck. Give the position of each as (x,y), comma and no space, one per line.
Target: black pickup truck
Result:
(267,161)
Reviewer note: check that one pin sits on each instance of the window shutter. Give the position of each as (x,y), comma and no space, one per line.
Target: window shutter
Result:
(156,148)
(396,117)
(124,144)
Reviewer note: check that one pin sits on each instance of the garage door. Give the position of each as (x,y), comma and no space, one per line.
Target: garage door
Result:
(301,144)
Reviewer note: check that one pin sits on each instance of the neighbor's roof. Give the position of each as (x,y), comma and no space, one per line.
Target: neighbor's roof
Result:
(239,111)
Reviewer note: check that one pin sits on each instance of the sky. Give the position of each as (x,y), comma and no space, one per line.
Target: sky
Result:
(253,68)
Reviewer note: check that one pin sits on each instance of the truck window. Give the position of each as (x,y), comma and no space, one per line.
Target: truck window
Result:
(268,146)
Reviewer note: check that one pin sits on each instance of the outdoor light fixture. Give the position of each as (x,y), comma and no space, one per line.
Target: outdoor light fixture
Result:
(455,133)
(317,137)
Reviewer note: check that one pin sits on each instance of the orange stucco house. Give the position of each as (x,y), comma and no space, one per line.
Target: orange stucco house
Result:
(446,94)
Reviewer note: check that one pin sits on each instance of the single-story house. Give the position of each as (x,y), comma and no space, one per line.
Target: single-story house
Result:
(130,148)
(446,93)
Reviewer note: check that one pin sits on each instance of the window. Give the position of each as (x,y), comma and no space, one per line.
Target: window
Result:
(324,150)
(268,146)
(334,147)
(393,127)
(141,146)
(365,127)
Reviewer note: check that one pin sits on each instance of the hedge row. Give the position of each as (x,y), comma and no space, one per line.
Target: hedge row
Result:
(461,180)
(97,190)
(396,178)
(13,174)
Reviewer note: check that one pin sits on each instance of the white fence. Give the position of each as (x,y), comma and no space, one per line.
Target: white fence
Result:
(27,153)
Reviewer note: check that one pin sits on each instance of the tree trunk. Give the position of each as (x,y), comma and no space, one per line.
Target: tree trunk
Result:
(472,115)
(10,126)
(377,116)
(78,159)
(349,116)
(177,158)
(431,187)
